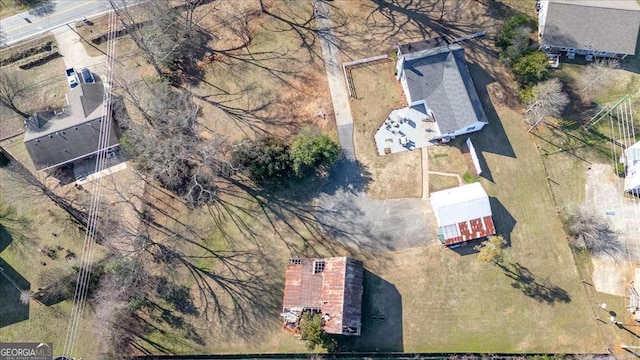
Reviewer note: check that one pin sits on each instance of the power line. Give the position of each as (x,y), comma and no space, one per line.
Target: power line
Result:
(83,279)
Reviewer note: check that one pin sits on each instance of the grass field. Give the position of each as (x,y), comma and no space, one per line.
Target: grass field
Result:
(435,299)
(441,182)
(453,302)
(31,226)
(378,93)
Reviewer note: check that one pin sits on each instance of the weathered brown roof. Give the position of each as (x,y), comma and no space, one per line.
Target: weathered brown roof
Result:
(336,291)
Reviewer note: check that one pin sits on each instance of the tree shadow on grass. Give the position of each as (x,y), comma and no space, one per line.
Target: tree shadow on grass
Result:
(539,290)
(41,8)
(381,318)
(12,309)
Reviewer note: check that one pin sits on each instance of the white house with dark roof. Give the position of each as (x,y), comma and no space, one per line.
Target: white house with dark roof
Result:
(631,160)
(442,100)
(601,28)
(54,139)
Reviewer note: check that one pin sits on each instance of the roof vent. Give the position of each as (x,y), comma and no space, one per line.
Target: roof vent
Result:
(318,266)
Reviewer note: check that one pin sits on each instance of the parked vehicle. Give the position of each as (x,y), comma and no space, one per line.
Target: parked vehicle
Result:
(86,76)
(72,77)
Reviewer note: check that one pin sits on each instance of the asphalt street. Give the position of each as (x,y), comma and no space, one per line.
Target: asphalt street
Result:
(47,16)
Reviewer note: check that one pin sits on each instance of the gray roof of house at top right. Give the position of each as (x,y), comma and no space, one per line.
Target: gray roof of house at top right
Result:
(603,25)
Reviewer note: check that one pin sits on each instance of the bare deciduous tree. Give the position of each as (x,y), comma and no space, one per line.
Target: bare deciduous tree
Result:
(168,146)
(547,99)
(12,87)
(587,229)
(165,34)
(596,77)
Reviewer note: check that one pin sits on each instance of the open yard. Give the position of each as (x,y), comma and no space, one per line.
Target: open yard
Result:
(45,89)
(426,299)
(536,303)
(30,222)
(395,175)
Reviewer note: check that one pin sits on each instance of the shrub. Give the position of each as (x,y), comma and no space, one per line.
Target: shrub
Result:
(265,159)
(470,178)
(619,169)
(532,68)
(510,30)
(311,151)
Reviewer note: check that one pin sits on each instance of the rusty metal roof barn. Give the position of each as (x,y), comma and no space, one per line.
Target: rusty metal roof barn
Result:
(330,286)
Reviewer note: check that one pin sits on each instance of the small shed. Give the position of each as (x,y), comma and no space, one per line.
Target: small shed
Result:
(463,213)
(330,286)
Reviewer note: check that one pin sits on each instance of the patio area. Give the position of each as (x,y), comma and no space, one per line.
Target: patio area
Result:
(406,129)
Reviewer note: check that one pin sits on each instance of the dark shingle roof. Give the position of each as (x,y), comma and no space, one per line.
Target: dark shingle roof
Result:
(54,139)
(440,76)
(67,144)
(610,26)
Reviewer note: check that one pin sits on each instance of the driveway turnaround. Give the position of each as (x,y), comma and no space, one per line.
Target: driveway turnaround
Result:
(343,207)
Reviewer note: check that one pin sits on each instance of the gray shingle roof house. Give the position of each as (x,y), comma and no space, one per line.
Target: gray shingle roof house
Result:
(57,138)
(603,28)
(443,102)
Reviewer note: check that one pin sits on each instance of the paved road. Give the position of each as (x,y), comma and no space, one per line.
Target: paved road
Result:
(46,17)
(347,212)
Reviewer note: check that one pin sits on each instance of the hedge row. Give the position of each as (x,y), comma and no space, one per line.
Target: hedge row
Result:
(38,59)
(13,57)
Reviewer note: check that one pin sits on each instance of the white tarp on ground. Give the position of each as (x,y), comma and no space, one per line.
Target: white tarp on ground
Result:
(474,156)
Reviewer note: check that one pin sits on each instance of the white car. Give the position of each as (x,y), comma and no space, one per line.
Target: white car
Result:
(72,77)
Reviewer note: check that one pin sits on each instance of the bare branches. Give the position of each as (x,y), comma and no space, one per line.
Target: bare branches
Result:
(589,230)
(596,77)
(12,87)
(547,99)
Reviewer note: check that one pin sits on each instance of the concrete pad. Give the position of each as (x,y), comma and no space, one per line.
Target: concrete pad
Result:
(610,277)
(604,194)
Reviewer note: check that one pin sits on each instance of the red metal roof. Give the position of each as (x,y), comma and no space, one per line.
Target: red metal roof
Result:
(472,229)
(336,291)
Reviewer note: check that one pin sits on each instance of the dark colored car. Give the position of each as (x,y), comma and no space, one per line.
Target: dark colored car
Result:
(87,76)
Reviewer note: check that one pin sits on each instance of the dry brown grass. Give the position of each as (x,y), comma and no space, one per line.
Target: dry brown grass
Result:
(392,176)
(441,182)
(47,88)
(447,158)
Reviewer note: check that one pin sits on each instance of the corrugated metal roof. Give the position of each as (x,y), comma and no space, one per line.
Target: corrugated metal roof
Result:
(459,204)
(336,291)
